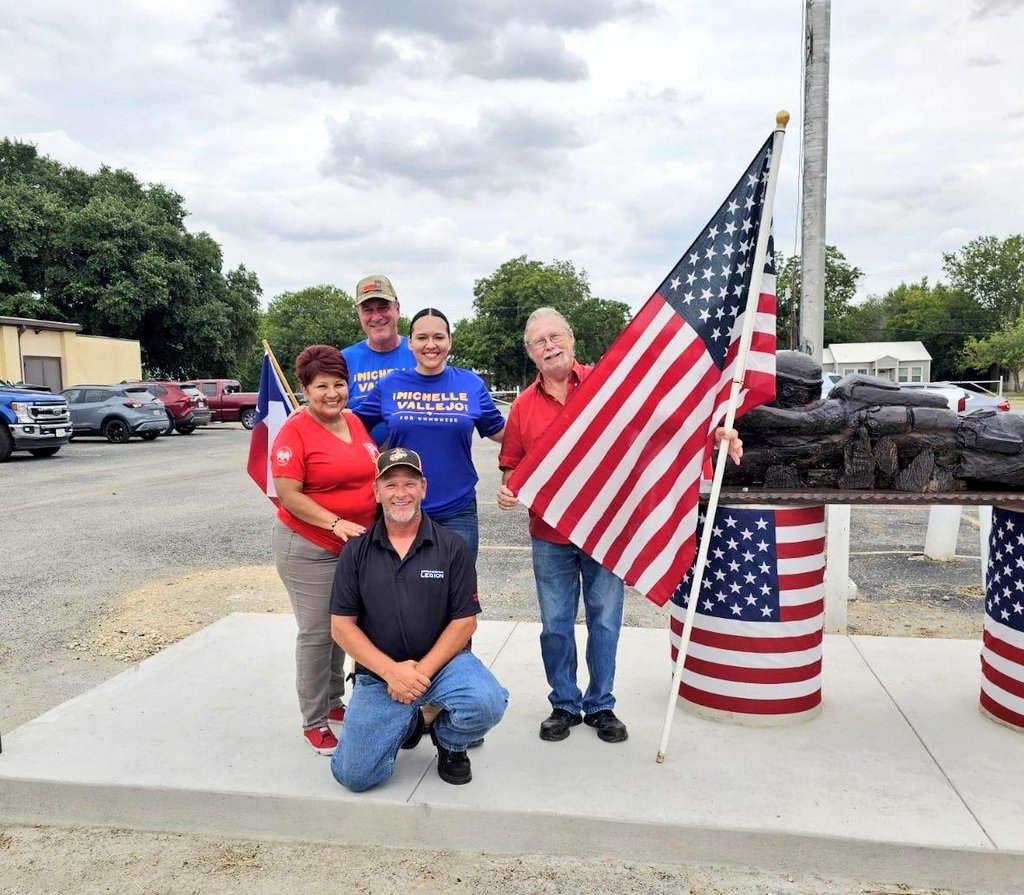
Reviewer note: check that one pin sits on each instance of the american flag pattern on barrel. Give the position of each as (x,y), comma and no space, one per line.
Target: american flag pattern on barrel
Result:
(757,631)
(1002,654)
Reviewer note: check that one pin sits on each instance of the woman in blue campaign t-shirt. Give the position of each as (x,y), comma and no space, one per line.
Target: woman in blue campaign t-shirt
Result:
(433,409)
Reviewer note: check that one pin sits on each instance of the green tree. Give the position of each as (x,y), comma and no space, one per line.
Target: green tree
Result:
(113,254)
(1003,349)
(940,317)
(25,304)
(841,280)
(991,271)
(863,322)
(492,341)
(316,315)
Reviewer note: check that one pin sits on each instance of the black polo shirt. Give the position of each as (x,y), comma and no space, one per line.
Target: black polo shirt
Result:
(403,605)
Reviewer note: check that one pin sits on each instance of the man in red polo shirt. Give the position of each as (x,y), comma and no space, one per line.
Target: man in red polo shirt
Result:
(560,568)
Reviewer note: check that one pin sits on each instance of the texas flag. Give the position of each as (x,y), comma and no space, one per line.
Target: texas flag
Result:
(272,408)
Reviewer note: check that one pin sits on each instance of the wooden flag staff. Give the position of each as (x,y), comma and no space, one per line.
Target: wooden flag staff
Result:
(280,375)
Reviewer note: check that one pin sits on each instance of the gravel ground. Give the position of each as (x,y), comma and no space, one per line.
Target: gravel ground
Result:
(124,861)
(115,551)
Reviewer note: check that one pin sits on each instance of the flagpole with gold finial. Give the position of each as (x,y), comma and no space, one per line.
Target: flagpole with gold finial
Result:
(760,251)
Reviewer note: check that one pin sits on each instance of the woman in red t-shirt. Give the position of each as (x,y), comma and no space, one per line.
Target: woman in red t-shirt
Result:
(323,463)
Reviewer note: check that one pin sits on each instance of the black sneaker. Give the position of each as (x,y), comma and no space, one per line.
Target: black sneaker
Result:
(556,726)
(452,767)
(413,739)
(608,727)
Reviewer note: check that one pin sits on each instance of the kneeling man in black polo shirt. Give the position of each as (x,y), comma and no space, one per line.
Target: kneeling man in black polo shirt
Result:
(404,606)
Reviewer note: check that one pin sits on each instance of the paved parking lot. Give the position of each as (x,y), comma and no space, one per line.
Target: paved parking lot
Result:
(97,521)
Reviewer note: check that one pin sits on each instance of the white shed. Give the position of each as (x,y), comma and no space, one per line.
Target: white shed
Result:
(895,361)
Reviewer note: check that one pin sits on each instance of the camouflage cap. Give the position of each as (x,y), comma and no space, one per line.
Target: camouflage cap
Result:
(375,286)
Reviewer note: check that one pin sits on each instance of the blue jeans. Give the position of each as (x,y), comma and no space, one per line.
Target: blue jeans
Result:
(465,524)
(471,702)
(558,570)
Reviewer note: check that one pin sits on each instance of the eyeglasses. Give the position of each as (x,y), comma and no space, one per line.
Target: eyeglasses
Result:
(553,339)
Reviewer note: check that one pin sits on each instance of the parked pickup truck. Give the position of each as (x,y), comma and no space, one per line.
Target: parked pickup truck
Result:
(227,400)
(37,422)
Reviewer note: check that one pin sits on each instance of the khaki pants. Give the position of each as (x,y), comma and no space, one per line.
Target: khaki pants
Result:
(307,572)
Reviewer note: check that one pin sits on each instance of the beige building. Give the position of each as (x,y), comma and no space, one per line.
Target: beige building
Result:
(57,355)
(895,361)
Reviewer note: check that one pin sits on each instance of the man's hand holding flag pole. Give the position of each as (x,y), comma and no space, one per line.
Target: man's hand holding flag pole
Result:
(618,473)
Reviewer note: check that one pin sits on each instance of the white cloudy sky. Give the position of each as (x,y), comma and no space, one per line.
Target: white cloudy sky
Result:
(322,140)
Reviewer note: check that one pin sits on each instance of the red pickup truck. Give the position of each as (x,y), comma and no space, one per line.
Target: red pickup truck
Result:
(227,400)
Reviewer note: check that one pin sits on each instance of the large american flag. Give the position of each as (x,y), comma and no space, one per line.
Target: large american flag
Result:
(1002,654)
(273,407)
(618,473)
(757,632)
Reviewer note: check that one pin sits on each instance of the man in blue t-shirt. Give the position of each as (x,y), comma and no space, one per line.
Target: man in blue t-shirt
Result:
(383,349)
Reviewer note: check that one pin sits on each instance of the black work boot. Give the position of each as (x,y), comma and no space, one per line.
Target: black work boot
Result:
(452,767)
(608,727)
(556,726)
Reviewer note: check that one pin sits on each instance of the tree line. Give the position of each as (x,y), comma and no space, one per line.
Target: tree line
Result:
(971,325)
(491,341)
(114,255)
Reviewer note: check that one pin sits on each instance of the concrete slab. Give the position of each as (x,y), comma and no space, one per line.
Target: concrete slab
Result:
(718,775)
(205,736)
(935,683)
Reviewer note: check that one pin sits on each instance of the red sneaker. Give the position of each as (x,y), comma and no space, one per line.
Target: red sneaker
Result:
(321,739)
(336,715)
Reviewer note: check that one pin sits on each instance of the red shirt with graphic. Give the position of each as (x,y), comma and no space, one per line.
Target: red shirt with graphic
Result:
(530,414)
(336,474)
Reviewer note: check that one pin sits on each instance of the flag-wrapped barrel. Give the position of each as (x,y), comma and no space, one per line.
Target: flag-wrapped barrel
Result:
(755,651)
(1002,653)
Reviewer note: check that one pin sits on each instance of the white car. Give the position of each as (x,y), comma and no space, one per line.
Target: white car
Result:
(956,397)
(827,381)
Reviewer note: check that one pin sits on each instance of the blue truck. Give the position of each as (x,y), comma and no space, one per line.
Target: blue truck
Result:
(33,421)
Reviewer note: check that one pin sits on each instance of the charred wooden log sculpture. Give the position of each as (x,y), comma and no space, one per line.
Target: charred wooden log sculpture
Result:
(869,433)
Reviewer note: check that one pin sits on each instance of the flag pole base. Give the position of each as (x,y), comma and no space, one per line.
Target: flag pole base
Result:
(661,758)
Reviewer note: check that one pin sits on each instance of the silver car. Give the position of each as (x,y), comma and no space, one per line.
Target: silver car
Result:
(115,412)
(979,398)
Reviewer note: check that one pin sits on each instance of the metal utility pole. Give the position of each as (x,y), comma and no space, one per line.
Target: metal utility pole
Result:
(818,15)
(817,19)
